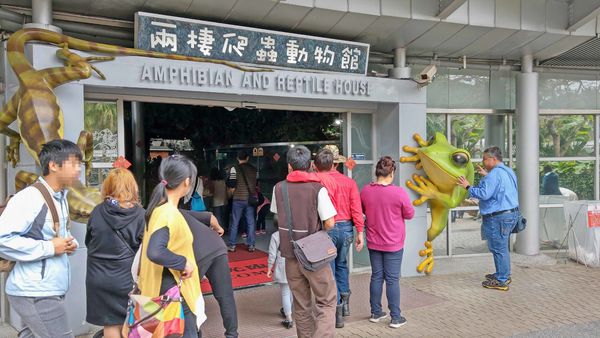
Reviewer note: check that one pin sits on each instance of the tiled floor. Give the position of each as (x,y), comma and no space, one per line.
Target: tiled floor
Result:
(548,297)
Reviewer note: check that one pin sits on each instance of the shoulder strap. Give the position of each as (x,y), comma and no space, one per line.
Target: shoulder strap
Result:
(120,235)
(288,211)
(50,203)
(245,179)
(505,169)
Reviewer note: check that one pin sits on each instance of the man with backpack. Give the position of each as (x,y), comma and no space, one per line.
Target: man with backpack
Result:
(34,234)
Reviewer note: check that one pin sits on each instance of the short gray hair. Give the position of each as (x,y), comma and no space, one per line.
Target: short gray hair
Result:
(298,158)
(493,152)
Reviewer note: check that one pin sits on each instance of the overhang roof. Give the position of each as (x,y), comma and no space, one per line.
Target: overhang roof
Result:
(485,29)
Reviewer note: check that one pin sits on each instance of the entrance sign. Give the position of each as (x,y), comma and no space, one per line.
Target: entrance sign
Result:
(298,83)
(167,34)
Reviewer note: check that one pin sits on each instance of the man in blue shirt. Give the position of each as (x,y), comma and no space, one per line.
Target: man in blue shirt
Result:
(499,206)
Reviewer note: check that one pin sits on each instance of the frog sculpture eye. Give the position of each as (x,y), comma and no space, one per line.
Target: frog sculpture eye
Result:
(460,158)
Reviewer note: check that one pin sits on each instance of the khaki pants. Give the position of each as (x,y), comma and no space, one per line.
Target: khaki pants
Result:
(322,285)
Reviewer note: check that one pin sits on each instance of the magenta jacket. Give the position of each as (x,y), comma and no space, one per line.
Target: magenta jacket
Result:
(386,208)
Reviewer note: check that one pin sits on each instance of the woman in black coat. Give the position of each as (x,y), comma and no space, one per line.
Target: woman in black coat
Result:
(114,234)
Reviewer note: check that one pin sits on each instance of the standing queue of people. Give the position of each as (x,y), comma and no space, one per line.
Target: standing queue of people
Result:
(178,247)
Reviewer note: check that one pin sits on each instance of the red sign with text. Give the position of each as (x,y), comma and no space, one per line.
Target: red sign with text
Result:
(593,215)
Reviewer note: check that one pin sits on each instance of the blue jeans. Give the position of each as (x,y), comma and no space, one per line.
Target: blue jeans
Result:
(342,236)
(385,266)
(238,209)
(496,230)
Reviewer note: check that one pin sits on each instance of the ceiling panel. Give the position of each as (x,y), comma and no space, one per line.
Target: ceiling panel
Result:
(460,40)
(250,12)
(484,42)
(284,16)
(372,7)
(560,46)
(318,21)
(411,30)
(436,36)
(78,7)
(536,45)
(211,9)
(379,30)
(513,42)
(109,8)
(175,8)
(351,25)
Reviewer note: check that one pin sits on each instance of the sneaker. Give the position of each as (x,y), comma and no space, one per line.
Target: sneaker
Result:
(288,324)
(244,235)
(375,318)
(396,323)
(231,248)
(251,248)
(495,284)
(493,276)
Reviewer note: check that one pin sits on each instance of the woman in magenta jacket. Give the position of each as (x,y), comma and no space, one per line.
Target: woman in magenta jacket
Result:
(386,206)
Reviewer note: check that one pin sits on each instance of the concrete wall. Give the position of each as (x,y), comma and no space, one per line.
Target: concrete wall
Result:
(395,125)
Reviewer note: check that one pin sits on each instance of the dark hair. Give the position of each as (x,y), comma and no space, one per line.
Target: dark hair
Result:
(172,172)
(493,152)
(547,168)
(242,155)
(385,166)
(299,158)
(57,151)
(324,160)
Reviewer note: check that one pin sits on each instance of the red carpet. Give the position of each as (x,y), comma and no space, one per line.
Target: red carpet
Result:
(247,268)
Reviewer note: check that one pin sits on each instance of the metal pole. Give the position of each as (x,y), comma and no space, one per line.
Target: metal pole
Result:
(139,160)
(41,16)
(528,241)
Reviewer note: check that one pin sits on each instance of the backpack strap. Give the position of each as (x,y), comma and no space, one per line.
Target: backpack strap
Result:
(51,206)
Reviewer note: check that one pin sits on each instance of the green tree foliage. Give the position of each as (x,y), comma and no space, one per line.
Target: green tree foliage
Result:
(100,115)
(570,135)
(436,123)
(468,132)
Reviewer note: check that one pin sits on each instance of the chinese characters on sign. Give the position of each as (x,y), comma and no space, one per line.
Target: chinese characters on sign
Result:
(247,45)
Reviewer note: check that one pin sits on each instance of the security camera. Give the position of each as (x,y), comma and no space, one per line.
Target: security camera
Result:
(426,76)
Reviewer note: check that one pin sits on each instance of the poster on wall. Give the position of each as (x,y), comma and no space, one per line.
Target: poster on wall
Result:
(593,215)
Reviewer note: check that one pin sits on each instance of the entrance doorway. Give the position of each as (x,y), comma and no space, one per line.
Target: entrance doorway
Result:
(212,137)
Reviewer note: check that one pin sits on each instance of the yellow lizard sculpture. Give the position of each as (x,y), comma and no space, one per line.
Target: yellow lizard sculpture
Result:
(35,107)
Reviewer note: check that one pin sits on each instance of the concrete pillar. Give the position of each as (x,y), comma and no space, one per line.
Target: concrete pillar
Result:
(400,71)
(528,241)
(41,16)
(495,134)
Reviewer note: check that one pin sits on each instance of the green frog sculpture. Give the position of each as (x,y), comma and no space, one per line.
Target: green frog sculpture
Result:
(443,164)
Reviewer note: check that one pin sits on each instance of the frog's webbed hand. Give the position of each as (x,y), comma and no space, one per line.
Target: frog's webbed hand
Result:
(427,264)
(12,150)
(414,158)
(420,141)
(425,187)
